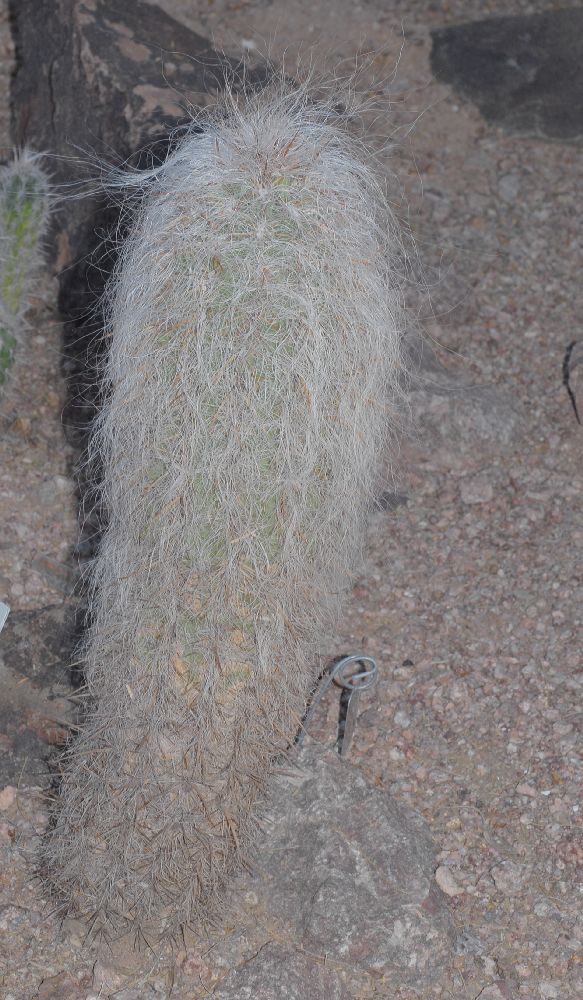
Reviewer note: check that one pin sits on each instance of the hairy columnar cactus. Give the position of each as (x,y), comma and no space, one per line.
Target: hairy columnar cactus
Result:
(254,371)
(24,212)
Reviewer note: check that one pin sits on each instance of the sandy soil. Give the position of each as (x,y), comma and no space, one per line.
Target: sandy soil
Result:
(472,593)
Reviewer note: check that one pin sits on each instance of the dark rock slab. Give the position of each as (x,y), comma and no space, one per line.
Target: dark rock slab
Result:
(524,73)
(278,972)
(96,77)
(348,873)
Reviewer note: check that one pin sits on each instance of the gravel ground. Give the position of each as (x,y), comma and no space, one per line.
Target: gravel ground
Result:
(472,593)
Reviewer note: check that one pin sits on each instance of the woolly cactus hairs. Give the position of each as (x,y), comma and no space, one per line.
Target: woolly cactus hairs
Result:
(24,212)
(254,369)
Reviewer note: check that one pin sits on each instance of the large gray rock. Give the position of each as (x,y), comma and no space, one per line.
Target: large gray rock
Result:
(278,972)
(342,902)
(346,873)
(524,73)
(451,413)
(455,414)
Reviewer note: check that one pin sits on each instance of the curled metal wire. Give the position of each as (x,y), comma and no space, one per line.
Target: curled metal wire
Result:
(338,672)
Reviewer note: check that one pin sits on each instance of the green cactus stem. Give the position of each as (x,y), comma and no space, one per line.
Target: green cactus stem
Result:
(24,212)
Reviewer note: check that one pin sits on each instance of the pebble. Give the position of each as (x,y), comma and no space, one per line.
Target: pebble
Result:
(493,992)
(508,187)
(489,966)
(105,976)
(53,398)
(478,489)
(7,833)
(524,789)
(467,943)
(53,572)
(440,204)
(63,986)
(63,483)
(7,797)
(549,990)
(508,877)
(195,965)
(12,917)
(446,881)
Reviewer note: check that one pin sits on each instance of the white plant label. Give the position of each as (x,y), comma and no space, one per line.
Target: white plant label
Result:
(4,612)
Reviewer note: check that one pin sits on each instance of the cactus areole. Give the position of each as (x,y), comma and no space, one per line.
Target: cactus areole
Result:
(254,376)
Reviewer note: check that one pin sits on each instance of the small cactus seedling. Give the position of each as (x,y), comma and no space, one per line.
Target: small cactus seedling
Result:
(24,212)
(254,374)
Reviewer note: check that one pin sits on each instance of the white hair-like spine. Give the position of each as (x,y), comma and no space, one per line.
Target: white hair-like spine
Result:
(255,373)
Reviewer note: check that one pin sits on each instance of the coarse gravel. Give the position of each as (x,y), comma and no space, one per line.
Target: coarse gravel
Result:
(472,591)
